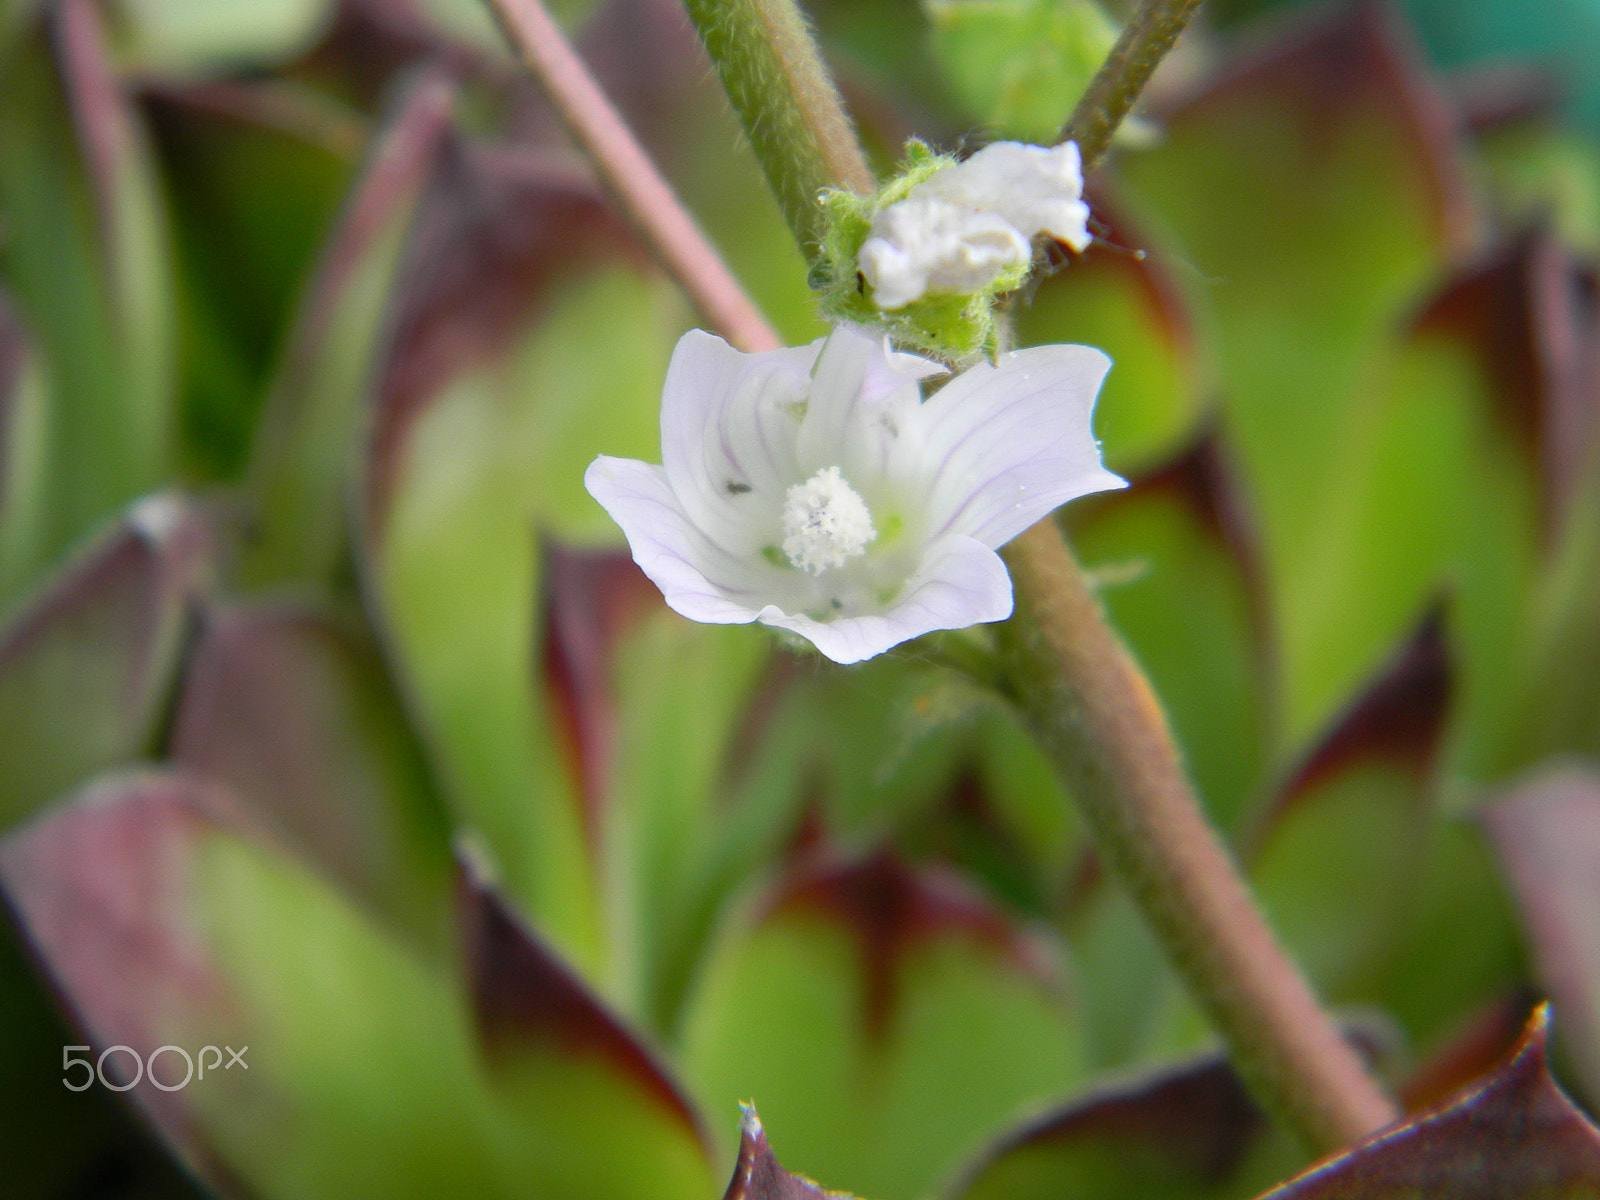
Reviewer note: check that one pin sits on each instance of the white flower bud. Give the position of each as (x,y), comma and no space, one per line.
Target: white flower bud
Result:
(961,228)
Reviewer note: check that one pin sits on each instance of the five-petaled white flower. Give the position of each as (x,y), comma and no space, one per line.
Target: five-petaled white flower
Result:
(813,488)
(965,226)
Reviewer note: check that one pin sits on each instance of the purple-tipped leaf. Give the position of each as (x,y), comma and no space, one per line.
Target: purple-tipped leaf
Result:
(296,714)
(527,1002)
(87,667)
(1188,1132)
(1514,1134)
(165,919)
(757,1174)
(591,596)
(1546,833)
(888,1015)
(101,888)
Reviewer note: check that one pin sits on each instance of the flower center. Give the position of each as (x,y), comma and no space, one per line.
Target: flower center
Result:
(826,523)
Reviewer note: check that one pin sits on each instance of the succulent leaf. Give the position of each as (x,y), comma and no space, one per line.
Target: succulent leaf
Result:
(88,665)
(1512,1134)
(85,258)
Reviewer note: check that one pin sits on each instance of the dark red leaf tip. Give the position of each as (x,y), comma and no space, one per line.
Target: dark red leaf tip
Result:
(1512,1133)
(891,907)
(757,1175)
(1400,717)
(525,997)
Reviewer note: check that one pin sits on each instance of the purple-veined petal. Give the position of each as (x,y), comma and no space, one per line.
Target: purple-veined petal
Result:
(961,582)
(889,372)
(1002,446)
(728,426)
(669,549)
(860,396)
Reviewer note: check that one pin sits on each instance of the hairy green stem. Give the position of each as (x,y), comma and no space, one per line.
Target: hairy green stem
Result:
(626,170)
(1144,42)
(786,99)
(1094,714)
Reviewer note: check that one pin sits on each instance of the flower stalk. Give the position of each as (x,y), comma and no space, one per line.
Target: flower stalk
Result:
(625,169)
(1143,43)
(788,104)
(1096,717)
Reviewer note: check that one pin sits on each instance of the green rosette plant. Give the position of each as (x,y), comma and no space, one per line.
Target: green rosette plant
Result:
(370,824)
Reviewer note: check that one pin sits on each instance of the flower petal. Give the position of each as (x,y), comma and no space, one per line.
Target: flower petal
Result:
(1001,446)
(728,426)
(667,546)
(924,244)
(860,394)
(1037,189)
(961,582)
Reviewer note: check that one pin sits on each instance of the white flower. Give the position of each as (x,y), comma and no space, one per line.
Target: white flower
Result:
(814,490)
(964,226)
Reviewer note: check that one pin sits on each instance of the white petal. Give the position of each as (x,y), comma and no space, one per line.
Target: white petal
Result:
(729,421)
(667,546)
(860,395)
(1001,446)
(928,244)
(961,582)
(1035,188)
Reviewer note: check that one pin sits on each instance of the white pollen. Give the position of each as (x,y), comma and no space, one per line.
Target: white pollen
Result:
(826,523)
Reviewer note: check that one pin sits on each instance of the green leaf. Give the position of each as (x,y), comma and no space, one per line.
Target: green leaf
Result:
(24,498)
(167,919)
(87,668)
(305,463)
(1519,326)
(85,255)
(167,36)
(1335,857)
(1460,466)
(1019,66)
(1129,305)
(887,1017)
(1512,1134)
(243,262)
(673,854)
(295,714)
(566,1066)
(1310,193)
(1179,541)
(1539,172)
(493,399)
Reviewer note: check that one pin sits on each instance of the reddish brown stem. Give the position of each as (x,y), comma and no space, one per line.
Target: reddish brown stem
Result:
(626,170)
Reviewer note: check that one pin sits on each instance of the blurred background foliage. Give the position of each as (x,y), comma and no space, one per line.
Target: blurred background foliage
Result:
(336,723)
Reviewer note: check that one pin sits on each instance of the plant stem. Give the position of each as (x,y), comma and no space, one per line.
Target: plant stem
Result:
(1144,42)
(1095,715)
(791,111)
(626,170)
